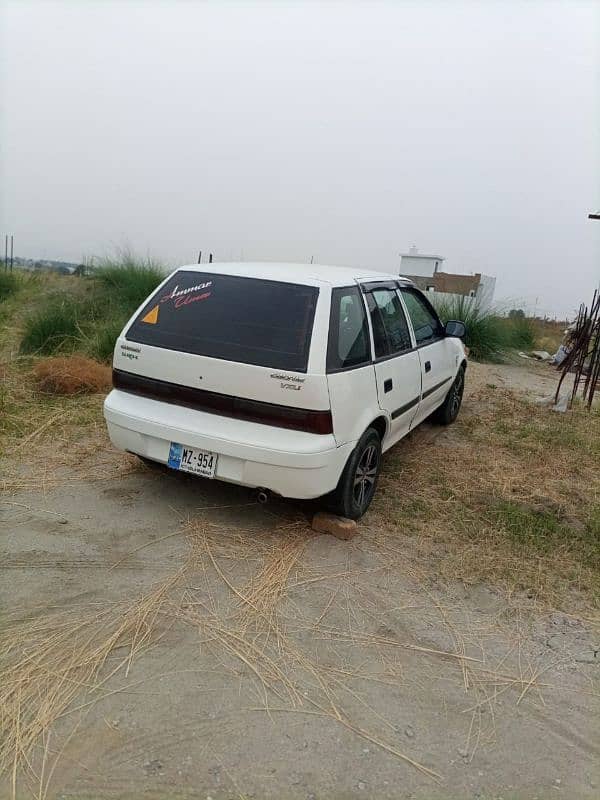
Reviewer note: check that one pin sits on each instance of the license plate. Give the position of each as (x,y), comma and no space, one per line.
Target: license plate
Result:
(190,459)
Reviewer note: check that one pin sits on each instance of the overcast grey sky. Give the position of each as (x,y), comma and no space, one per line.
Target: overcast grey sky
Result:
(347,131)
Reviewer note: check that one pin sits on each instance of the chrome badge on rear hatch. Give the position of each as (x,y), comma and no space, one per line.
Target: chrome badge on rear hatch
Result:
(292,382)
(132,353)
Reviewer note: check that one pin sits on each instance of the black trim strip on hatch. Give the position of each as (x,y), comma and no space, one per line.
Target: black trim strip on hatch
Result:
(280,416)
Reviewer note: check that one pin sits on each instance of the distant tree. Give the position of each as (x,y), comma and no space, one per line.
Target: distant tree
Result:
(516,313)
(80,270)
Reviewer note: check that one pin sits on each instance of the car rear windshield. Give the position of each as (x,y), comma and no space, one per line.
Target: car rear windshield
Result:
(253,321)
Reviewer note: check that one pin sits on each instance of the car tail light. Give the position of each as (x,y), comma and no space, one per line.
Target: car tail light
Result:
(299,419)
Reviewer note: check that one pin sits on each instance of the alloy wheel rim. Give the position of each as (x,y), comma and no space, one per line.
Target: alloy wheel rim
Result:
(457,393)
(365,475)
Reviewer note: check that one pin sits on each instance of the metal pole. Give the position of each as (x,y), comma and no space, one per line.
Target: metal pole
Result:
(210,258)
(199,256)
(11,252)
(6,252)
(595,216)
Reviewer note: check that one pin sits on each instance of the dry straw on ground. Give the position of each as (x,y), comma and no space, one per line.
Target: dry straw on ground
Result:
(241,591)
(57,665)
(72,375)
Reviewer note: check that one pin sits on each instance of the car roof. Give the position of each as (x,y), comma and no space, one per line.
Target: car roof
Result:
(308,274)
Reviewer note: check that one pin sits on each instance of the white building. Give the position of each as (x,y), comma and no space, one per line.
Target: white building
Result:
(415,263)
(425,271)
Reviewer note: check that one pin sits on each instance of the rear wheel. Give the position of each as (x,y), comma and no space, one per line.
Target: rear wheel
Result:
(356,488)
(448,411)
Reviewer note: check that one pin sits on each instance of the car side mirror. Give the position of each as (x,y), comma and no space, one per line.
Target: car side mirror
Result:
(455,328)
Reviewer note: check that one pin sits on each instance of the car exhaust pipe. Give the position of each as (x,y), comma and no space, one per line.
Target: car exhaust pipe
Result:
(262,496)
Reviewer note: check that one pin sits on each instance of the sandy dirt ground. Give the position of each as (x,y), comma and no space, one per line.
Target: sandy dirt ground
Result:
(286,664)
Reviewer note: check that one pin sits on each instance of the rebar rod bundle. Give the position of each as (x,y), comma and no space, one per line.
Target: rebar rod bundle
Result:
(583,358)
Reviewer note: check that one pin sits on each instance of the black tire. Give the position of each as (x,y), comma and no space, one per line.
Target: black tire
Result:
(448,411)
(353,495)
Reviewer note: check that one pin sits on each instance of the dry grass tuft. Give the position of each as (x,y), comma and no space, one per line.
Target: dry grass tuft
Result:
(72,375)
(48,425)
(57,665)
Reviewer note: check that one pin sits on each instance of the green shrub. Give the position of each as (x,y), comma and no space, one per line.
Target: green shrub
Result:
(521,332)
(70,324)
(128,280)
(488,335)
(56,327)
(90,322)
(9,284)
(100,343)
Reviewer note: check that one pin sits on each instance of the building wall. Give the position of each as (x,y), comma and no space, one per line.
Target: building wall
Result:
(482,295)
(456,284)
(485,292)
(424,267)
(449,297)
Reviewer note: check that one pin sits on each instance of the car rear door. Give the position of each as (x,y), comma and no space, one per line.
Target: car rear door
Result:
(349,365)
(397,365)
(436,354)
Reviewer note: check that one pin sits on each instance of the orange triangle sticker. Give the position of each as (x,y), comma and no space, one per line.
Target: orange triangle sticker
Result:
(151,316)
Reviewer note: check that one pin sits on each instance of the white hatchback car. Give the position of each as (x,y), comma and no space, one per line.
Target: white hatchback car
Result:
(288,378)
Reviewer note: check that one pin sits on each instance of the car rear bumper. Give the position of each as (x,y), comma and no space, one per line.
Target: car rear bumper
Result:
(288,462)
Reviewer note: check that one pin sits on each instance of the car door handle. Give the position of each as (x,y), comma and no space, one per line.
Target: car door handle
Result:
(388,385)
(428,366)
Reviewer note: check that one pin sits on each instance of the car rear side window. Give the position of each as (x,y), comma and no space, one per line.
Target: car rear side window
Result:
(424,320)
(248,320)
(390,328)
(348,344)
